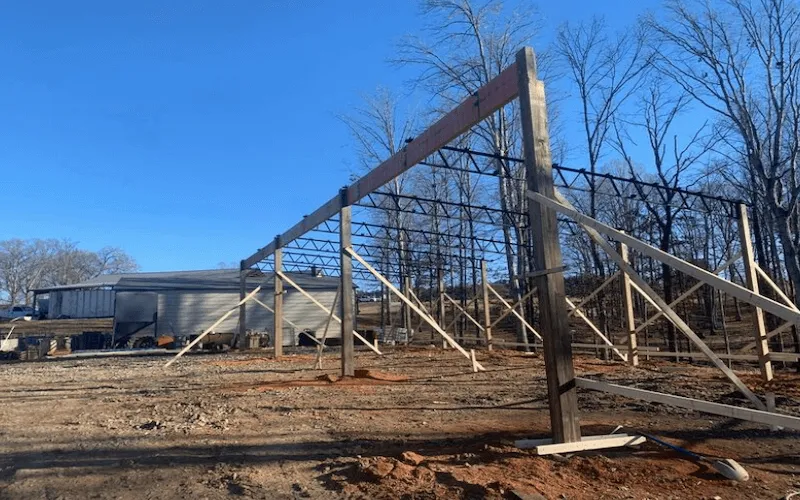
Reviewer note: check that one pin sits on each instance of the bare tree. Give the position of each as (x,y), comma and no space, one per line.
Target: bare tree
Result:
(380,130)
(604,69)
(467,43)
(29,264)
(741,60)
(672,161)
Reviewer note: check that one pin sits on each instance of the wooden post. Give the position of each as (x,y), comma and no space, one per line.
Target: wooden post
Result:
(277,305)
(442,306)
(627,304)
(242,333)
(561,390)
(487,306)
(346,304)
(751,282)
(407,310)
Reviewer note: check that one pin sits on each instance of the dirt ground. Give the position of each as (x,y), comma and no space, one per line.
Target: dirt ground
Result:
(420,426)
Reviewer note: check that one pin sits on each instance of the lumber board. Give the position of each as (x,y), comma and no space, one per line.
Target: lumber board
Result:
(486,100)
(597,331)
(758,416)
(732,289)
(593,228)
(463,311)
(327,310)
(414,307)
(513,311)
(687,293)
(597,290)
(751,280)
(547,447)
(216,324)
(47,327)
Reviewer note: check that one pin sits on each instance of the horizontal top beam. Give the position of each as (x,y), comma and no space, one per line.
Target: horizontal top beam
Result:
(485,101)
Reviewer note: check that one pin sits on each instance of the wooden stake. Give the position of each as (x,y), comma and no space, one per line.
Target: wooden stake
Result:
(413,306)
(627,304)
(242,331)
(277,304)
(487,306)
(562,396)
(751,280)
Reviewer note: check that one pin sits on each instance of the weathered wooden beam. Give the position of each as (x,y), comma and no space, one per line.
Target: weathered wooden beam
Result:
(562,396)
(347,304)
(486,100)
(277,302)
(751,281)
(759,416)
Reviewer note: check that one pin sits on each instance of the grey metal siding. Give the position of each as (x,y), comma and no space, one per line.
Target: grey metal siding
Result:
(188,313)
(81,304)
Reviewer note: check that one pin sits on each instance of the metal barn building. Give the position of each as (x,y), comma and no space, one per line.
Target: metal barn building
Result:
(184,303)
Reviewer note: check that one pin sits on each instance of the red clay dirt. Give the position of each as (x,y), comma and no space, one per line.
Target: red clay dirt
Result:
(422,426)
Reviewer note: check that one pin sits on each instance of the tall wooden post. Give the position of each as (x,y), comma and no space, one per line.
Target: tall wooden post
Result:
(627,305)
(242,332)
(277,304)
(346,272)
(406,309)
(442,307)
(751,282)
(487,306)
(561,390)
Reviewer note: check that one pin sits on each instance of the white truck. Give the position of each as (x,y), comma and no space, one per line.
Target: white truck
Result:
(16,312)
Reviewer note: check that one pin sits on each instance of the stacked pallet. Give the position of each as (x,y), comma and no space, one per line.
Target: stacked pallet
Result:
(49,327)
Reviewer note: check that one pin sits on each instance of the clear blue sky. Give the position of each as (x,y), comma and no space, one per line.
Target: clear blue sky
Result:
(190,133)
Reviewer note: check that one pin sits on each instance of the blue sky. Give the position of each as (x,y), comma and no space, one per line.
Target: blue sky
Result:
(190,133)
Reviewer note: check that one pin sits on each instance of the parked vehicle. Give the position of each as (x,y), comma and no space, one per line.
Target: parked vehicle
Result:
(17,312)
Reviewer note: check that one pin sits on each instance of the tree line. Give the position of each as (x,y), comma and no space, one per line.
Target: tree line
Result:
(26,265)
(700,95)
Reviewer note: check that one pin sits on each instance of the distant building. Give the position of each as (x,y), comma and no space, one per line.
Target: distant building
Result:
(184,303)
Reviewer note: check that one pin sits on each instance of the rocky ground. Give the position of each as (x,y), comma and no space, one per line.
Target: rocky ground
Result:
(419,424)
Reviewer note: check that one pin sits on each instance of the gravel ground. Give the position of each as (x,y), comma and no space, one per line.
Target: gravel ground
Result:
(420,425)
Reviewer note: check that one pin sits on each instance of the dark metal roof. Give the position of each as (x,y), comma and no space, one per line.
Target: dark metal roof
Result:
(211,279)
